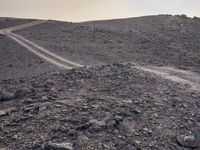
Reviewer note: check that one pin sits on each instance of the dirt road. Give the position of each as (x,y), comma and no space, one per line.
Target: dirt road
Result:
(179,76)
(38,50)
(176,75)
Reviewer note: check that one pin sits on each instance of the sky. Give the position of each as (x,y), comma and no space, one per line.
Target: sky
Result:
(84,10)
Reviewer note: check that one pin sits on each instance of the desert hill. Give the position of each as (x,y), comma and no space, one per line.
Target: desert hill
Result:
(135,84)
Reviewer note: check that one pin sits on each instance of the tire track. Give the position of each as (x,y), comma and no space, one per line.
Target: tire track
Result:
(38,50)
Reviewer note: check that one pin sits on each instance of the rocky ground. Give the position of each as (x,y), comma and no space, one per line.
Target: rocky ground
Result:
(153,40)
(17,62)
(110,105)
(10,22)
(105,107)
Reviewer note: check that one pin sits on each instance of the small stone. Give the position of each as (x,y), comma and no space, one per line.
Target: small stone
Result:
(15,136)
(22,119)
(44,98)
(136,134)
(31,108)
(5,96)
(137,111)
(82,142)
(3,113)
(72,132)
(23,92)
(152,144)
(111,124)
(118,119)
(185,105)
(192,141)
(177,147)
(57,146)
(58,105)
(129,147)
(95,128)
(155,115)
(62,129)
(28,101)
(147,130)
(116,132)
(95,106)
(84,126)
(127,101)
(138,142)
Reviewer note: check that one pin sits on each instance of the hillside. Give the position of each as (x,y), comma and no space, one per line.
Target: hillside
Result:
(125,84)
(154,40)
(141,111)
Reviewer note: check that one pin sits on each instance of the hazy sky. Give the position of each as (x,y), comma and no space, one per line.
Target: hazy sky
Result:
(82,10)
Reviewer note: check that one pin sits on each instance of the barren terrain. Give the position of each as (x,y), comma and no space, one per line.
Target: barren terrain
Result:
(153,40)
(126,84)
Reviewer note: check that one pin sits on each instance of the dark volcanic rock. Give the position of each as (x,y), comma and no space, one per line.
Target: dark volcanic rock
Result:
(192,141)
(107,123)
(104,107)
(4,96)
(129,147)
(23,92)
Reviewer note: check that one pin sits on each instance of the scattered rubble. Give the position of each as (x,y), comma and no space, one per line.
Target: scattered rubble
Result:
(192,141)
(110,106)
(105,107)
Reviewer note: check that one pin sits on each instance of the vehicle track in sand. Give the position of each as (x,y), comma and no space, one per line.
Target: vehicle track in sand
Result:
(36,49)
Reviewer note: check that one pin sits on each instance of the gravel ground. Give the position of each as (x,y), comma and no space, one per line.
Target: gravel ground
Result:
(157,40)
(110,105)
(17,62)
(10,22)
(105,107)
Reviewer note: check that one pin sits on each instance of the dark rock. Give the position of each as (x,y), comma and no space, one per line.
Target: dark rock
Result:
(95,128)
(177,147)
(118,119)
(62,129)
(192,141)
(21,119)
(107,123)
(84,126)
(72,132)
(129,147)
(5,96)
(57,146)
(81,142)
(137,111)
(31,108)
(23,92)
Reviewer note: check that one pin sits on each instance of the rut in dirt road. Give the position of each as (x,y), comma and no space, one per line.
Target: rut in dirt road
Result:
(176,75)
(38,50)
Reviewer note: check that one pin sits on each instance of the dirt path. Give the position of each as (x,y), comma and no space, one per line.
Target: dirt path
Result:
(176,75)
(38,50)
(180,76)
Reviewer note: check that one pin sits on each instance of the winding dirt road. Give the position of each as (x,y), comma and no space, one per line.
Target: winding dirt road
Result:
(179,76)
(36,49)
